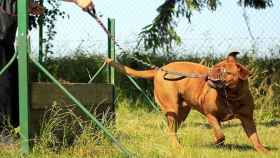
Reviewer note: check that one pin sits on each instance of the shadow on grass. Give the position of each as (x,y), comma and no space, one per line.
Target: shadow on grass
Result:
(272,123)
(239,147)
(207,126)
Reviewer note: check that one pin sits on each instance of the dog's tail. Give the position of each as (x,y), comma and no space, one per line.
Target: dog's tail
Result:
(147,74)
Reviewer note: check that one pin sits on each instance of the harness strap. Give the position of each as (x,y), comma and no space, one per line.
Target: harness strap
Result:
(182,74)
(226,102)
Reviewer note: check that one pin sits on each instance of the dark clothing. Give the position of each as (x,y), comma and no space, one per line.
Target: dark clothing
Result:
(9,80)
(8,6)
(8,25)
(8,21)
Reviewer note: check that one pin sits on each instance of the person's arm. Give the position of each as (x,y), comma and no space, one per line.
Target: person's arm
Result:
(84,4)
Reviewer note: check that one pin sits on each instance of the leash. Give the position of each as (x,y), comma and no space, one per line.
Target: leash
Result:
(185,75)
(92,13)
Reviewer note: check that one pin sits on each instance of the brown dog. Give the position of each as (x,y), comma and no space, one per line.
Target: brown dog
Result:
(221,95)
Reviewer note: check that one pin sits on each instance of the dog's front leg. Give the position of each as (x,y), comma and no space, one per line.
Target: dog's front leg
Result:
(216,126)
(250,129)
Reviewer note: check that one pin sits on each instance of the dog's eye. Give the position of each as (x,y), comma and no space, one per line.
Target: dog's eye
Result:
(229,73)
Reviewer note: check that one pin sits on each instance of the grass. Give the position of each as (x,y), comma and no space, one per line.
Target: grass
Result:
(143,133)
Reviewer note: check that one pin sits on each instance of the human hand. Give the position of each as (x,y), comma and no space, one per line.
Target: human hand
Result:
(36,9)
(86,5)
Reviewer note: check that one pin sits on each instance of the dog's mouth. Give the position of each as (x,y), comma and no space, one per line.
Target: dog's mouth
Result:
(215,83)
(215,78)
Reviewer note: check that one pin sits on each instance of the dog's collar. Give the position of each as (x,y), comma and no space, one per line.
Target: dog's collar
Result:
(217,82)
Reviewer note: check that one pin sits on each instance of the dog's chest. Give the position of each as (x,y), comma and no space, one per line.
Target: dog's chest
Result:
(229,110)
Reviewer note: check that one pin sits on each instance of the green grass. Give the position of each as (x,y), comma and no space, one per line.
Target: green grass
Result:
(143,133)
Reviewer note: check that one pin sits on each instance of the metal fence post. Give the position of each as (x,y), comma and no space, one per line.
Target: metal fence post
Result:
(40,57)
(22,48)
(111,50)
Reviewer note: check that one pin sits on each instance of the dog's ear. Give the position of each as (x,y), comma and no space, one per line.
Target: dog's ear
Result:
(244,73)
(232,57)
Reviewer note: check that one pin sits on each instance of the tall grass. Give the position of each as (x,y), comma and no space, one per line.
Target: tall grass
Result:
(141,131)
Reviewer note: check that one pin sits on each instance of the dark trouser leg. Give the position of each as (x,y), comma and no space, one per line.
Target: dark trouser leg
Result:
(8,81)
(13,78)
(9,89)
(5,92)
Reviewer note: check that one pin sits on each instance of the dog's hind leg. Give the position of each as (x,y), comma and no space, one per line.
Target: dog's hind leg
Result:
(183,112)
(172,122)
(216,126)
(169,105)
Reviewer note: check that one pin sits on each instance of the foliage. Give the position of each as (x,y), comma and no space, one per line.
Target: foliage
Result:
(48,19)
(264,81)
(51,13)
(77,68)
(161,33)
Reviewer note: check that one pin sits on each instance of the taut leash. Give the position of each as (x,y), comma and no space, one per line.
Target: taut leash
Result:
(92,13)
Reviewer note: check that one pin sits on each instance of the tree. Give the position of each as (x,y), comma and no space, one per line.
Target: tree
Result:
(51,14)
(161,33)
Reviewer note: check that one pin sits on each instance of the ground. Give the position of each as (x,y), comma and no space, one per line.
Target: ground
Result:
(143,133)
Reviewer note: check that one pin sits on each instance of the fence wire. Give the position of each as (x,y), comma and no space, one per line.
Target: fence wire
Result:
(230,27)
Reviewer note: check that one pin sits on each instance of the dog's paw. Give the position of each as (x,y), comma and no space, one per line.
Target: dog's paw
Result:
(263,150)
(220,142)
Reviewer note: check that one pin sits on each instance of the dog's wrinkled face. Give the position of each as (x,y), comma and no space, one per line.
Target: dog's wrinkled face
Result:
(228,72)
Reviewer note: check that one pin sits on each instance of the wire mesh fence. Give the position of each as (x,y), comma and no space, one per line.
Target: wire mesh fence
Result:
(230,27)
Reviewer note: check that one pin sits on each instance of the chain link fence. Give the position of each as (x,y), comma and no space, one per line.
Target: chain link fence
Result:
(228,28)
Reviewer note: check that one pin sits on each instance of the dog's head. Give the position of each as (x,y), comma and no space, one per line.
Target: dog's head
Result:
(228,72)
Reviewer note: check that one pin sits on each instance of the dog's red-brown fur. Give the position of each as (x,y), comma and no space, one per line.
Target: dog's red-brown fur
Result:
(176,98)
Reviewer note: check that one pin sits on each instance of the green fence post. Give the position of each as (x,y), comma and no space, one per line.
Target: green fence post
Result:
(22,48)
(111,50)
(40,57)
